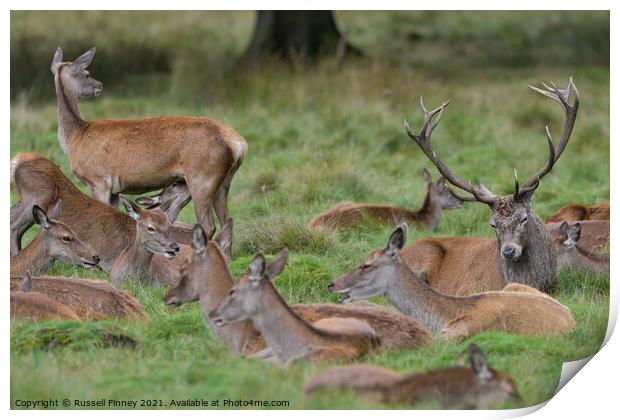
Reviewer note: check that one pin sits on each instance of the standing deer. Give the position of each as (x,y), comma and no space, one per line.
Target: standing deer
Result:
(55,241)
(571,255)
(515,310)
(206,278)
(580,212)
(476,387)
(289,336)
(89,299)
(348,215)
(108,232)
(35,306)
(142,155)
(524,250)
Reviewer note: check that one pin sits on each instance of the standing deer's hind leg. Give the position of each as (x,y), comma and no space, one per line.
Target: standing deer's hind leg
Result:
(221,202)
(203,190)
(21,221)
(179,202)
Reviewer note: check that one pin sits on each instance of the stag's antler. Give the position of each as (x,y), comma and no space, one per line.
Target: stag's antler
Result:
(561,96)
(431,119)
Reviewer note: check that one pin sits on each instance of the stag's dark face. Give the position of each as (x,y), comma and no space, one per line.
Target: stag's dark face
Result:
(510,221)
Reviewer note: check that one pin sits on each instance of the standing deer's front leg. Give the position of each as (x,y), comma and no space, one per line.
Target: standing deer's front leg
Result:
(101,192)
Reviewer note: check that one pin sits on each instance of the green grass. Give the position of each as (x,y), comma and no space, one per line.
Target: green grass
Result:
(316,137)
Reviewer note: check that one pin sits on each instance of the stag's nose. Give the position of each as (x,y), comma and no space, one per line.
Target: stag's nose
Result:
(508,251)
(331,286)
(96,259)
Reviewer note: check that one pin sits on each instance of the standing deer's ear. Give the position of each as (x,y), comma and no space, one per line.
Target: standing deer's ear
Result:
(26,285)
(397,240)
(428,179)
(479,363)
(40,218)
(199,239)
(56,211)
(133,210)
(83,61)
(56,60)
(277,264)
(257,270)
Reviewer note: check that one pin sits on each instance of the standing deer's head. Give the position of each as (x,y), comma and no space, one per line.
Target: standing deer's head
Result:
(245,298)
(74,76)
(61,242)
(206,262)
(152,229)
(512,214)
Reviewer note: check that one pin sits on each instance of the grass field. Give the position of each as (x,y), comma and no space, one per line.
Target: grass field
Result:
(316,137)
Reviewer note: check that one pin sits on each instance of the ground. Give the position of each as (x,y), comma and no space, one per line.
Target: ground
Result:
(318,136)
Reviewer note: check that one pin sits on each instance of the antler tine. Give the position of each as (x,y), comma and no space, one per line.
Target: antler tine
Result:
(516,193)
(561,96)
(458,196)
(423,140)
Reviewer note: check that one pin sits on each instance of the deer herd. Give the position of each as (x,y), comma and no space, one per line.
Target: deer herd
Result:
(441,288)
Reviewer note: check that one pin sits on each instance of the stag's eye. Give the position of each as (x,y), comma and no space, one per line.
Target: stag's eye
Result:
(66,238)
(523,220)
(493,225)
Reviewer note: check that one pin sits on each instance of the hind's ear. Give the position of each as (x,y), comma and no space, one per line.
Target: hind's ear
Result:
(257,270)
(133,210)
(397,240)
(277,264)
(56,211)
(56,60)
(479,363)
(149,202)
(26,285)
(199,239)
(574,232)
(426,175)
(83,61)
(40,218)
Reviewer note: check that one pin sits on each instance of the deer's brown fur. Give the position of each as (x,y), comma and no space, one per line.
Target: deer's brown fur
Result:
(34,306)
(89,299)
(580,212)
(571,255)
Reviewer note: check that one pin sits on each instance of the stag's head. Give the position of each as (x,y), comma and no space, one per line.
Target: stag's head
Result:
(62,242)
(208,260)
(152,229)
(512,215)
(75,76)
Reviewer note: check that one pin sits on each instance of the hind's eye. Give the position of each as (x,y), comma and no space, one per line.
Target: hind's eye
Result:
(366,267)
(232,292)
(66,238)
(150,229)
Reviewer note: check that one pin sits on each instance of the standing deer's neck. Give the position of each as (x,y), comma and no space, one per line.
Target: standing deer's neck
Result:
(69,118)
(288,336)
(214,287)
(413,297)
(536,266)
(430,212)
(35,257)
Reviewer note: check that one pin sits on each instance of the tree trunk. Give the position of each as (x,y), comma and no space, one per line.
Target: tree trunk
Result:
(298,35)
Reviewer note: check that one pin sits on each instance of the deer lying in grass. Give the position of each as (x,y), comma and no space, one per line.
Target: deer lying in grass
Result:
(348,215)
(142,155)
(571,255)
(35,306)
(90,299)
(524,250)
(206,277)
(476,387)
(40,182)
(289,336)
(594,234)
(580,212)
(523,310)
(111,234)
(55,241)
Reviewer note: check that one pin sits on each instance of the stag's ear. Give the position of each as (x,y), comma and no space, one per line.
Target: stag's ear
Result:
(225,237)
(199,239)
(133,210)
(56,211)
(277,264)
(574,233)
(526,197)
(40,218)
(397,240)
(426,175)
(83,61)
(26,285)
(257,270)
(479,363)
(56,60)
